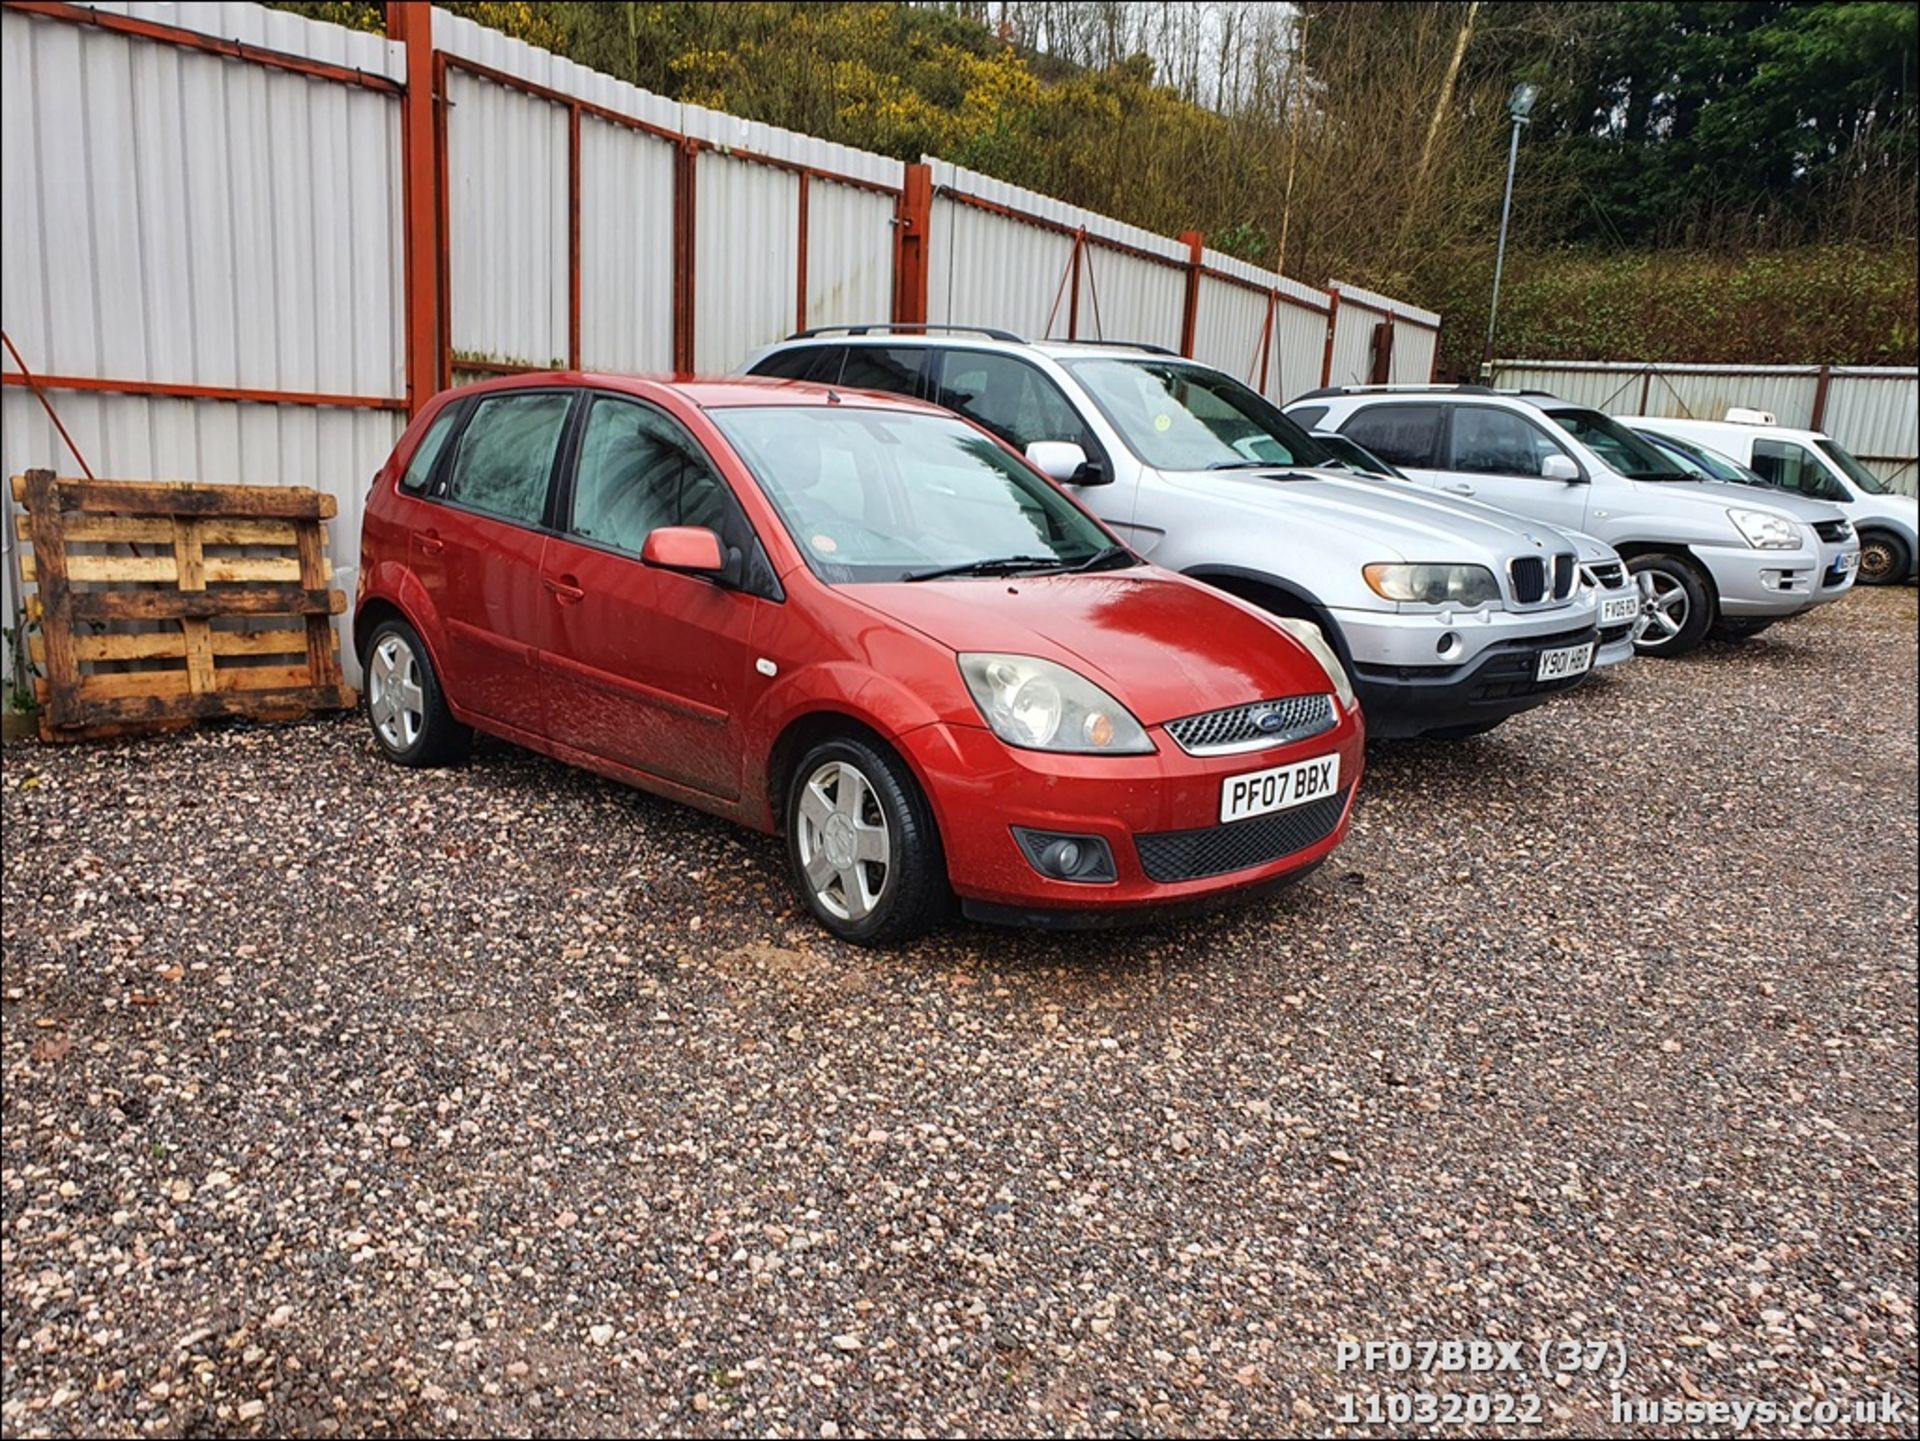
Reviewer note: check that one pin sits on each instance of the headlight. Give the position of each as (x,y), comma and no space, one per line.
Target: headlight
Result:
(1040,706)
(1764,530)
(1310,636)
(1464,585)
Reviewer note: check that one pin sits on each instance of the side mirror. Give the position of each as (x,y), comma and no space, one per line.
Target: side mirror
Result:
(1064,462)
(688,549)
(1560,467)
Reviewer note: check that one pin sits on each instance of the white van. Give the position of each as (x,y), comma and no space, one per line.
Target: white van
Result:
(1815,465)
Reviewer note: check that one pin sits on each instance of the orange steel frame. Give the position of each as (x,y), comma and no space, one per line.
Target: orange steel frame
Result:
(426,230)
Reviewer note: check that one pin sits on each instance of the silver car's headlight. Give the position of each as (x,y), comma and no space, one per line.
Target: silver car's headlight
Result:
(1310,636)
(1040,706)
(1763,530)
(1464,585)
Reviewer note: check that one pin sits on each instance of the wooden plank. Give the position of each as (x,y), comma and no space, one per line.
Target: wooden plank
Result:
(109,684)
(189,559)
(118,529)
(200,677)
(323,656)
(112,605)
(262,677)
(216,703)
(50,556)
(259,642)
(137,569)
(179,497)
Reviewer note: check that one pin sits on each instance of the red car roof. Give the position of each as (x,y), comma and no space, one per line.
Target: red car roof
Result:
(710,394)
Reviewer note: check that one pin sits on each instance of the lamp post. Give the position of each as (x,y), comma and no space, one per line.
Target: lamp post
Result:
(1520,106)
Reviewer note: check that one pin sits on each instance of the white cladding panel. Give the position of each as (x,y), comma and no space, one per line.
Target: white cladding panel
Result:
(746,259)
(626,249)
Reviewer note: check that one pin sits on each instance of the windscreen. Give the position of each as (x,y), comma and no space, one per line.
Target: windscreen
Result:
(878,495)
(1176,416)
(1851,468)
(1623,451)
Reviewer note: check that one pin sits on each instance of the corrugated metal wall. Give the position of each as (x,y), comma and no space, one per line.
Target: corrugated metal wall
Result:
(626,249)
(1416,333)
(1873,411)
(984,269)
(181,218)
(850,246)
(740,305)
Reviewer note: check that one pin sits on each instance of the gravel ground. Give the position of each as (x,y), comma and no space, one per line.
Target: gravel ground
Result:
(346,1099)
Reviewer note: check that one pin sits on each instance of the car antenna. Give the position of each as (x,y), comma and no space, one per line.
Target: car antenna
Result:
(833,396)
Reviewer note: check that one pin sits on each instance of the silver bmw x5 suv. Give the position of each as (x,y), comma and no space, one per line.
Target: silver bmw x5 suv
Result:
(1448,621)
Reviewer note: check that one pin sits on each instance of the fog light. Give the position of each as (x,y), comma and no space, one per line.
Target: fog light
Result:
(1086,859)
(1448,644)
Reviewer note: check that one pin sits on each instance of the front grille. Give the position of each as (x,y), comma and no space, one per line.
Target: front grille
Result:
(1607,574)
(1833,532)
(1533,574)
(1168,856)
(1615,632)
(1246,727)
(1529,575)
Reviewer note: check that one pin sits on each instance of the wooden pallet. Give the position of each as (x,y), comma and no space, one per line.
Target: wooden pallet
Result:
(163,603)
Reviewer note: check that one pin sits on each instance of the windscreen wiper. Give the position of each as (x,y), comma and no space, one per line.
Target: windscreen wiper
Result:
(1250,465)
(992,565)
(1105,558)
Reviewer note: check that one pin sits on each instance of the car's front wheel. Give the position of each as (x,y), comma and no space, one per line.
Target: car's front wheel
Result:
(1884,558)
(1675,609)
(862,843)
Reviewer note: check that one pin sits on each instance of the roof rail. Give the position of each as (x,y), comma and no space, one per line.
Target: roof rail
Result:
(882,327)
(1146,345)
(1414,389)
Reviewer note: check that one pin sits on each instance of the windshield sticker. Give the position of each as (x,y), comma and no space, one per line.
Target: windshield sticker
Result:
(825,544)
(1163,422)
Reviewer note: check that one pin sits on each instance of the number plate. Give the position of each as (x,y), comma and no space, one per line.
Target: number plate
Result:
(1616,608)
(1568,660)
(1258,793)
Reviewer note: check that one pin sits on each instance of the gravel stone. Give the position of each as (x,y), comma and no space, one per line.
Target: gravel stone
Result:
(341,1099)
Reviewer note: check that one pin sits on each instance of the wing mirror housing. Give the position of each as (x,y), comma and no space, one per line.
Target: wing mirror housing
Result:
(1064,462)
(687,549)
(1561,467)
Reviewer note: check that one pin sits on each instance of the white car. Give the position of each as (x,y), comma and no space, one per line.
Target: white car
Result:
(1819,466)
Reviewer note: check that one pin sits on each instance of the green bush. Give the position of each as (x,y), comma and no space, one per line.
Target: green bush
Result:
(1818,305)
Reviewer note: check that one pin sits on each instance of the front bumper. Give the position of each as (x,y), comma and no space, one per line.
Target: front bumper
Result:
(980,788)
(1839,568)
(1414,699)
(1762,583)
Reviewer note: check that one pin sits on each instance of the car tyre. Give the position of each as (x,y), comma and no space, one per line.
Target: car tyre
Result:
(1884,558)
(407,709)
(862,844)
(1678,608)
(1735,631)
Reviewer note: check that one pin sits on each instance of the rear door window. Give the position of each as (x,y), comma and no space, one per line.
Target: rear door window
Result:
(1398,434)
(506,455)
(420,468)
(882,367)
(789,364)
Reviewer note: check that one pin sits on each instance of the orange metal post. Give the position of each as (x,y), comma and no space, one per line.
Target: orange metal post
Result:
(683,277)
(800,246)
(573,237)
(411,23)
(1333,315)
(1196,244)
(913,233)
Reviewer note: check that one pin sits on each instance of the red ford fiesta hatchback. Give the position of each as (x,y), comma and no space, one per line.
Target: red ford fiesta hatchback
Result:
(854,619)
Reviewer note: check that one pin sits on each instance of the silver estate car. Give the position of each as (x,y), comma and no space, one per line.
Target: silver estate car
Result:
(1448,621)
(1709,558)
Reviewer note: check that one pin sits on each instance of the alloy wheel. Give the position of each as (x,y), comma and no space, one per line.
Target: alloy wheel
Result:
(844,842)
(394,697)
(1664,609)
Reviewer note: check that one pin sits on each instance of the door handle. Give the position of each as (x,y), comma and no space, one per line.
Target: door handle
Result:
(1457,489)
(430,543)
(563,588)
